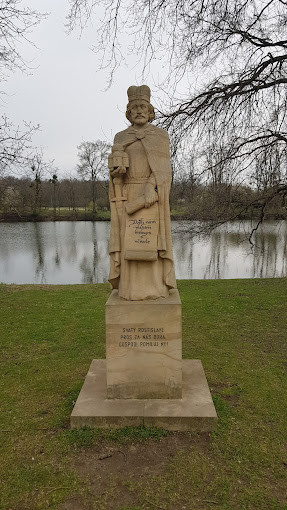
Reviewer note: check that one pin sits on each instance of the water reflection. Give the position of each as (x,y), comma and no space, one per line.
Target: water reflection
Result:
(93,267)
(77,252)
(39,253)
(227,253)
(270,254)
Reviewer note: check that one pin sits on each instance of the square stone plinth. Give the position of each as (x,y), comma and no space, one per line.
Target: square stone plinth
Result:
(143,347)
(194,411)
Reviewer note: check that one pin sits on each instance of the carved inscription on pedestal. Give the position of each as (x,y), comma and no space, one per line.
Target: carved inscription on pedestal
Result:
(143,348)
(143,337)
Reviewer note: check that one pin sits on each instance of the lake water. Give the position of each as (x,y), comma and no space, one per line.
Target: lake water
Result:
(77,252)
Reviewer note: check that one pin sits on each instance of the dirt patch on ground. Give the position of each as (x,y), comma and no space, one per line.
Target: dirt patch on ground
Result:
(110,469)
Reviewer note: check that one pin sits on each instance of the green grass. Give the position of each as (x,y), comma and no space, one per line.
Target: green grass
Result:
(49,334)
(87,437)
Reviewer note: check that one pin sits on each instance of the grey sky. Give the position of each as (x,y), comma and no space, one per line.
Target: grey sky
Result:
(64,92)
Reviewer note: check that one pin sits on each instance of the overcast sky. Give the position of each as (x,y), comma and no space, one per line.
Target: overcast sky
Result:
(64,93)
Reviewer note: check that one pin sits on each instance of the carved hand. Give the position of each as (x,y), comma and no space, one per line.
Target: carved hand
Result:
(150,195)
(119,170)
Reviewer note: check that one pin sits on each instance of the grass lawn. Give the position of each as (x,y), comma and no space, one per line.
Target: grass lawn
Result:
(49,335)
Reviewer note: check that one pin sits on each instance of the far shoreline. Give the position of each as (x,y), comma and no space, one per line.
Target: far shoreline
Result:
(82,216)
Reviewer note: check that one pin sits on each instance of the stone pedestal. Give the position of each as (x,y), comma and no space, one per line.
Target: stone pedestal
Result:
(143,380)
(194,411)
(143,348)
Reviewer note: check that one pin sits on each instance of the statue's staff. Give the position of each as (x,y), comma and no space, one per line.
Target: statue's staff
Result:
(118,163)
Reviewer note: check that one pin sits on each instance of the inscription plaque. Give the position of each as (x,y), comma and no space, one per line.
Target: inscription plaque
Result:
(143,347)
(143,337)
(141,234)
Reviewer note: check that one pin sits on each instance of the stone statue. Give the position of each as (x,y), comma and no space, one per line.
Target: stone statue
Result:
(141,262)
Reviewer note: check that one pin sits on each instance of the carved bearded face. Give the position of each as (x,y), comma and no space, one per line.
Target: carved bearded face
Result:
(139,112)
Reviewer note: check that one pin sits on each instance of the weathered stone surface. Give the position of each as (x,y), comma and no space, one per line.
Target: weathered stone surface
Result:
(141,234)
(143,347)
(141,260)
(143,379)
(194,411)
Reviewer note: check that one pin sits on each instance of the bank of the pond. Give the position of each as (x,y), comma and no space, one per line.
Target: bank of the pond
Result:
(65,215)
(84,215)
(49,334)
(81,216)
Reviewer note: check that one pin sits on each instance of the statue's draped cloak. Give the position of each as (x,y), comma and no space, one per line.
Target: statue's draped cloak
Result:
(156,145)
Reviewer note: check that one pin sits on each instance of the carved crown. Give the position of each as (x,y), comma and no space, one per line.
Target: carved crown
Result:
(142,92)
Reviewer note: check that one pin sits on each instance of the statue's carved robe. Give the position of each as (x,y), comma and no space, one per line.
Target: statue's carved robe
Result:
(149,161)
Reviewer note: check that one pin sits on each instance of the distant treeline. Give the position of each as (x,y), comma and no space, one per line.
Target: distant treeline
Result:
(27,199)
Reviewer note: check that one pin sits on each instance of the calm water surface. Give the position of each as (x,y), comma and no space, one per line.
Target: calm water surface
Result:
(77,252)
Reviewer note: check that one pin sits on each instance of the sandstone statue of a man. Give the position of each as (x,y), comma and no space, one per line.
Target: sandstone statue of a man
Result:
(141,262)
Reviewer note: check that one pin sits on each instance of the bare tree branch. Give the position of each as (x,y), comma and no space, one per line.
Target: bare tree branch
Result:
(93,164)
(233,123)
(16,23)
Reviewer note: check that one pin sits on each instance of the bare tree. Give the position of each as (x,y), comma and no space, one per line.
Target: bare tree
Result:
(70,192)
(38,169)
(15,145)
(54,180)
(235,53)
(93,164)
(16,23)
